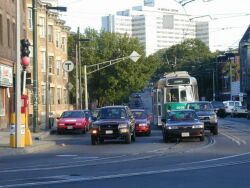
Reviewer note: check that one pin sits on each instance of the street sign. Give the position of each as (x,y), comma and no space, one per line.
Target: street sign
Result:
(134,56)
(69,86)
(68,66)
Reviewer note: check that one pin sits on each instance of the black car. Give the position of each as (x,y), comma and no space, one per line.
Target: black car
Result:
(113,122)
(182,124)
(219,108)
(206,114)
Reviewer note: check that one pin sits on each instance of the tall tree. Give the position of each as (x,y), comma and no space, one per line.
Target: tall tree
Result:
(114,84)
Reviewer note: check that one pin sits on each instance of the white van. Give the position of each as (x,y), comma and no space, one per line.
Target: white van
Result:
(235,108)
(231,105)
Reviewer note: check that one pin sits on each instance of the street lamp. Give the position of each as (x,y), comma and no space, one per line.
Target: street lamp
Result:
(61,9)
(134,56)
(79,40)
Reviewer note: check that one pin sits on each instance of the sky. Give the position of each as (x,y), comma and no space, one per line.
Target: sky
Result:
(228,19)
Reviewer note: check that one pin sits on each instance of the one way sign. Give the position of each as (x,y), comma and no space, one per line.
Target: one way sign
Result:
(68,66)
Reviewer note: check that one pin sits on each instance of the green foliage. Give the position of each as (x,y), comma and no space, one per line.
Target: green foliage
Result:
(113,84)
(193,56)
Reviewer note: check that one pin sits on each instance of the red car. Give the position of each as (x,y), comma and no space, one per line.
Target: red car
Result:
(142,122)
(73,120)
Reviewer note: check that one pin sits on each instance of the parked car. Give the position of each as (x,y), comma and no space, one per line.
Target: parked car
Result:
(206,114)
(72,120)
(219,108)
(142,122)
(182,124)
(113,122)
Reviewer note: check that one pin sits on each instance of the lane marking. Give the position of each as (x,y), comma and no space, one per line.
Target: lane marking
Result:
(69,179)
(67,155)
(234,138)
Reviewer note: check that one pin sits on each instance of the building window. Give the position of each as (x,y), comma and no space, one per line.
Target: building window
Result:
(8,32)
(52,95)
(65,96)
(58,96)
(1,29)
(51,64)
(64,43)
(42,27)
(43,61)
(30,26)
(58,64)
(50,33)
(43,94)
(57,39)
(14,35)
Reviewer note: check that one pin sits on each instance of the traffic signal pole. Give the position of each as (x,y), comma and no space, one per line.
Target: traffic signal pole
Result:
(35,73)
(18,79)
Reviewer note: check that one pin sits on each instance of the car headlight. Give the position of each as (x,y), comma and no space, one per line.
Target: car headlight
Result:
(171,127)
(122,126)
(60,124)
(198,126)
(78,123)
(214,117)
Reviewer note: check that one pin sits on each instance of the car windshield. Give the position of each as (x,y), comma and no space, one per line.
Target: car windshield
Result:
(139,114)
(200,106)
(182,116)
(217,104)
(112,113)
(72,114)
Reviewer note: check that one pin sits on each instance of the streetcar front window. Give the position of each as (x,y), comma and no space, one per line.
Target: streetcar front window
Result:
(183,96)
(174,95)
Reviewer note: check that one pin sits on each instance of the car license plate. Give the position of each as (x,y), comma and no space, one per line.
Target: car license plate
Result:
(69,127)
(184,134)
(109,131)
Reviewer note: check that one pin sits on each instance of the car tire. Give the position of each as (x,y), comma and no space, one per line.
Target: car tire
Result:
(202,138)
(133,136)
(101,140)
(165,138)
(215,130)
(94,140)
(149,133)
(128,138)
(59,131)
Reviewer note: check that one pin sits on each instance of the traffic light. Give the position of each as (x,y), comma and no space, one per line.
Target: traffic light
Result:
(25,48)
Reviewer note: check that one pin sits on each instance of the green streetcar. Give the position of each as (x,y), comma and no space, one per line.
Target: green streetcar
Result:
(172,92)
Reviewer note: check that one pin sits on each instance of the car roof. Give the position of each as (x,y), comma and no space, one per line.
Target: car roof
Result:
(138,109)
(183,110)
(115,106)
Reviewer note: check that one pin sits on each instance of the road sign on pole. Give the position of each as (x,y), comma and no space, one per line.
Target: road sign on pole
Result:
(68,66)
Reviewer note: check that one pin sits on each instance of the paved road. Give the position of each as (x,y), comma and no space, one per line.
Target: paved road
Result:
(219,161)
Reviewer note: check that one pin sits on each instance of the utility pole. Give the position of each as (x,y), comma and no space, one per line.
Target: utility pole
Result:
(77,71)
(47,72)
(80,66)
(35,74)
(18,78)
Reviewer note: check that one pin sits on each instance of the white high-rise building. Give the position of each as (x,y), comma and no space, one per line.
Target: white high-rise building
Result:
(156,26)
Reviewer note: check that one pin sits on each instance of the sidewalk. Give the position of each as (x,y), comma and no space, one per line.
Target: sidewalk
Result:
(38,139)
